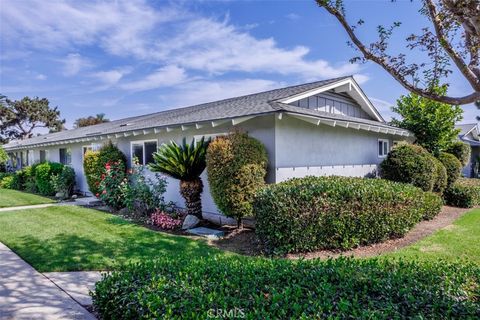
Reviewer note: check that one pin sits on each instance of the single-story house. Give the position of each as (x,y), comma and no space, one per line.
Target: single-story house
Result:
(470,134)
(326,127)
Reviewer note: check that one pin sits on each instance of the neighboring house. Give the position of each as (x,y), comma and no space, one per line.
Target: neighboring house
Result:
(322,128)
(470,134)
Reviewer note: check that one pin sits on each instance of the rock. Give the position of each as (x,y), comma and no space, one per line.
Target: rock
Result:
(60,195)
(74,197)
(190,222)
(123,211)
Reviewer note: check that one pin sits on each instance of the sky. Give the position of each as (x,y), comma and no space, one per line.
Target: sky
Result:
(125,58)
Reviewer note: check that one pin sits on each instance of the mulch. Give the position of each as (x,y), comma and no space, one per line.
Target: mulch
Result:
(243,241)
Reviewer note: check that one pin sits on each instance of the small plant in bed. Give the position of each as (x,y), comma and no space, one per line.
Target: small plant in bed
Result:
(166,221)
(316,213)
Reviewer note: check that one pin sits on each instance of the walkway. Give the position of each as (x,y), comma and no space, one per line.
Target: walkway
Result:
(35,206)
(28,294)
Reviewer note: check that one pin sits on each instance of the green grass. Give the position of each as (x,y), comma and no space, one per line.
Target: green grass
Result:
(68,238)
(459,240)
(13,198)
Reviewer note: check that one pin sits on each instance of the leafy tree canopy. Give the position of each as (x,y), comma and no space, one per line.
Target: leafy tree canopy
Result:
(432,122)
(20,118)
(91,120)
(450,41)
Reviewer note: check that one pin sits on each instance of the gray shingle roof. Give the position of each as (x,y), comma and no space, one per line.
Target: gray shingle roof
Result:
(464,128)
(248,105)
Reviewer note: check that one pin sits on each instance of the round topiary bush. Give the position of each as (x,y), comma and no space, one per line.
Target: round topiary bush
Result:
(461,151)
(441,178)
(236,166)
(94,164)
(453,166)
(314,213)
(412,164)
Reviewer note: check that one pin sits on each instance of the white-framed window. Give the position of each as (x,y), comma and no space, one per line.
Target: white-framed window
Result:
(143,151)
(65,156)
(383,148)
(44,155)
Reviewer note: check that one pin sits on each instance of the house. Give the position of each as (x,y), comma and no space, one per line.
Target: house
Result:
(470,134)
(322,128)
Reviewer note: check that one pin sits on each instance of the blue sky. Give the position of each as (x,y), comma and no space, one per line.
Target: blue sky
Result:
(126,58)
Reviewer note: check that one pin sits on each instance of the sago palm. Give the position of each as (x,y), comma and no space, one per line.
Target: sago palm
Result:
(184,162)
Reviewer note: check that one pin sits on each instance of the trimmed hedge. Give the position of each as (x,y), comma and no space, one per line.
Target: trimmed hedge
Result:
(43,177)
(7,181)
(453,166)
(411,164)
(441,178)
(464,193)
(236,167)
(461,151)
(344,288)
(338,212)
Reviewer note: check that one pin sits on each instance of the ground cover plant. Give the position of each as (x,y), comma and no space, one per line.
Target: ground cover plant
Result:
(282,289)
(12,198)
(338,212)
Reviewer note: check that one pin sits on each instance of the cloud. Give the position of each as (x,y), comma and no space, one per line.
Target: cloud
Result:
(384,107)
(111,77)
(73,63)
(40,77)
(292,16)
(168,35)
(163,77)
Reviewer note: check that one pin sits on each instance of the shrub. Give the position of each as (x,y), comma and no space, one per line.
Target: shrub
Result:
(64,182)
(453,166)
(461,151)
(412,164)
(43,177)
(236,167)
(110,185)
(165,221)
(3,160)
(464,193)
(344,288)
(143,195)
(338,212)
(441,178)
(28,179)
(7,182)
(94,164)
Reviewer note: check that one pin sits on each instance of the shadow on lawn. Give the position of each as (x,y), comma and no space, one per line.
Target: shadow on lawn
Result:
(67,252)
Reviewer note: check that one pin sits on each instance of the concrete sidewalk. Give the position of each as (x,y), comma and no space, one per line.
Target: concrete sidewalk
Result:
(35,206)
(28,294)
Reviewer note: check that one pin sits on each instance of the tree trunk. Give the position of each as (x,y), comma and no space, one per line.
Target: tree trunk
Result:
(191,191)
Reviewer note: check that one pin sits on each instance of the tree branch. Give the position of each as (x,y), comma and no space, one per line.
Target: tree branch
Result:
(461,65)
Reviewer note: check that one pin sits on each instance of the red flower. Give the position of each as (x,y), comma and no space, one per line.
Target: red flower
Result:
(97,195)
(104,191)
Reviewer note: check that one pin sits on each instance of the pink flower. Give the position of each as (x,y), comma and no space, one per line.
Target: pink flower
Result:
(104,191)
(97,195)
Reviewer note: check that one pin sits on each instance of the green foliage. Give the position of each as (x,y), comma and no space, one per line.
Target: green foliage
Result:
(236,166)
(184,162)
(441,178)
(93,170)
(19,118)
(8,182)
(453,166)
(64,182)
(111,185)
(433,123)
(94,164)
(412,164)
(343,288)
(461,151)
(464,193)
(338,212)
(90,120)
(3,159)
(43,177)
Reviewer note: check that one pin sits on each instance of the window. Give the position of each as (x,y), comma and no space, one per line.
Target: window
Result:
(208,136)
(143,151)
(43,155)
(383,148)
(24,157)
(65,156)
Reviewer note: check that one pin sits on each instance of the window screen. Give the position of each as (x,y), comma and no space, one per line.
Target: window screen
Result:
(150,148)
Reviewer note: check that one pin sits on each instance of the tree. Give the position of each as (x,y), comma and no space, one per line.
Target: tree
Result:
(3,159)
(184,162)
(90,120)
(20,118)
(432,122)
(455,40)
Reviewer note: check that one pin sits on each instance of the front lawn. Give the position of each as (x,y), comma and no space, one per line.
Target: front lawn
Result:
(69,238)
(459,240)
(13,198)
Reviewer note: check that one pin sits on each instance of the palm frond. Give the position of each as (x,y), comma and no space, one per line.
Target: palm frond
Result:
(183,162)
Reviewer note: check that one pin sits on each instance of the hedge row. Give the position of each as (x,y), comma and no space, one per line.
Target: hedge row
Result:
(338,212)
(234,287)
(464,193)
